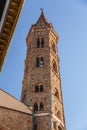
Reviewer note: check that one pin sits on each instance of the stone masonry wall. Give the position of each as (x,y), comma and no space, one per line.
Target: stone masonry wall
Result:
(14,120)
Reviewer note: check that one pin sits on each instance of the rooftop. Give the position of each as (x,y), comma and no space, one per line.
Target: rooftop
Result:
(8,101)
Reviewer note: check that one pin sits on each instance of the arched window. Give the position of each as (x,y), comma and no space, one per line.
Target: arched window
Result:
(59,114)
(40,43)
(54,66)
(41,106)
(36,88)
(41,88)
(56,93)
(40,62)
(35,107)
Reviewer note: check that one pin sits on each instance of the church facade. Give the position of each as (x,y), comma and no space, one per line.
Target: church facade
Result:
(41,106)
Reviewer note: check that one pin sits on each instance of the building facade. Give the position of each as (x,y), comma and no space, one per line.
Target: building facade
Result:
(9,15)
(14,115)
(42,83)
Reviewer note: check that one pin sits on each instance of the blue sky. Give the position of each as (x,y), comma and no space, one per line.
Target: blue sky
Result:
(69,18)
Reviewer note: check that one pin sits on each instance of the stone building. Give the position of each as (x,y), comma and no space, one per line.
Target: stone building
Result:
(42,84)
(14,115)
(41,105)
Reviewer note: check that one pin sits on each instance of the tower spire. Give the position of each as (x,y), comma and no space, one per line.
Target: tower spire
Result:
(42,18)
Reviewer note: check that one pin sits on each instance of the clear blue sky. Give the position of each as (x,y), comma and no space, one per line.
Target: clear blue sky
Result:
(69,18)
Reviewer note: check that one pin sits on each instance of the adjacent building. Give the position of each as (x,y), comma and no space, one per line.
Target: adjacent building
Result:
(9,15)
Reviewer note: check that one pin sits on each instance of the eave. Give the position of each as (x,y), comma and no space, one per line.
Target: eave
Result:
(9,24)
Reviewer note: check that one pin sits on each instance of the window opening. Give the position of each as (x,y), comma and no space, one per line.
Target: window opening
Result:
(36,88)
(35,107)
(41,88)
(37,62)
(35,127)
(41,106)
(40,43)
(40,62)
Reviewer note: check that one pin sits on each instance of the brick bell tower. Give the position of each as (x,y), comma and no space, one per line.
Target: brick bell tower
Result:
(42,84)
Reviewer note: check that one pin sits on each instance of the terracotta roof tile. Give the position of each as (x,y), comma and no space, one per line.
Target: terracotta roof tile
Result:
(10,102)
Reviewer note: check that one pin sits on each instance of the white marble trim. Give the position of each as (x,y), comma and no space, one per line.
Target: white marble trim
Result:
(41,114)
(58,120)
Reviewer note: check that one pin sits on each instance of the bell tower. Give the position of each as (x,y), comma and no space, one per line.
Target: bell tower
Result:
(42,84)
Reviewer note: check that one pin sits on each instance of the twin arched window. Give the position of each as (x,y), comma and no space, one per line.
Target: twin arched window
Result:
(39,88)
(38,106)
(40,43)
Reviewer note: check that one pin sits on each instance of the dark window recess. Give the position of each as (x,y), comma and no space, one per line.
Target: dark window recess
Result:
(40,62)
(41,106)
(40,43)
(37,62)
(36,88)
(35,107)
(41,88)
(2,6)
(35,126)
